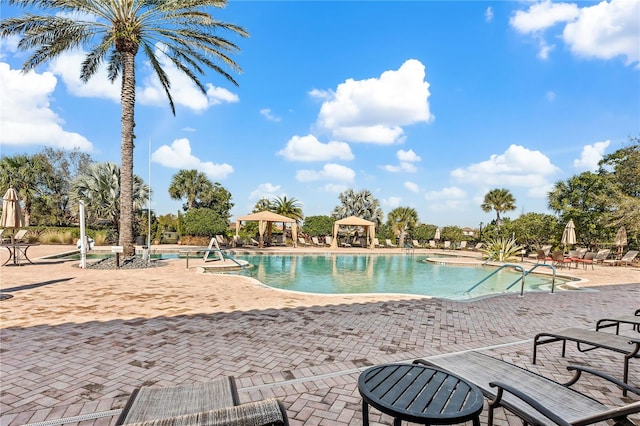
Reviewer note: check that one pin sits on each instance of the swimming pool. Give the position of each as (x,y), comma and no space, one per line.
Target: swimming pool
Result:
(397,274)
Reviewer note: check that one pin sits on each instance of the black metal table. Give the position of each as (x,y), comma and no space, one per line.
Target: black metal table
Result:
(419,394)
(17,251)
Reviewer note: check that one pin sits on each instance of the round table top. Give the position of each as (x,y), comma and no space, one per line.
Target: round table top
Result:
(420,393)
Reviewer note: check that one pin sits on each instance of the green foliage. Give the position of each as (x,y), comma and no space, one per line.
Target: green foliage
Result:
(501,249)
(203,222)
(316,226)
(262,205)
(452,233)
(289,207)
(424,232)
(499,200)
(361,204)
(533,229)
(402,220)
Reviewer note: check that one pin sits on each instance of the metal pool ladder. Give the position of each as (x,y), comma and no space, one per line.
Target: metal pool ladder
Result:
(520,279)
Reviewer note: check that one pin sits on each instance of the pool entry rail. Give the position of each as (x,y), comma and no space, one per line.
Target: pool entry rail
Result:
(519,279)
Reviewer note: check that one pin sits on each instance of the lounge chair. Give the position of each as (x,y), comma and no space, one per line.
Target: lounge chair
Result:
(634,320)
(416,244)
(462,245)
(302,241)
(389,244)
(19,236)
(376,243)
(237,241)
(537,400)
(601,256)
(587,340)
(432,244)
(559,260)
(447,244)
(624,260)
(254,242)
(478,246)
(328,240)
(315,242)
(212,403)
(542,256)
(222,241)
(586,260)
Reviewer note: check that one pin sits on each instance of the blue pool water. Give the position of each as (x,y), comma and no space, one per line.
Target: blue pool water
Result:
(348,274)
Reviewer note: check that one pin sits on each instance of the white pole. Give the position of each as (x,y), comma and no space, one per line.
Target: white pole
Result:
(149,203)
(83,238)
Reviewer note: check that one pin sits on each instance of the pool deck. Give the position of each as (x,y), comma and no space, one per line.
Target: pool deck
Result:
(75,343)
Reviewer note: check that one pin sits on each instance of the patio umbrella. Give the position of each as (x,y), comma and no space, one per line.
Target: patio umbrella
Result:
(437,235)
(569,234)
(12,217)
(621,238)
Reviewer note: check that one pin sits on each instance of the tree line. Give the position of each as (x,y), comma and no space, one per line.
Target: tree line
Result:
(52,182)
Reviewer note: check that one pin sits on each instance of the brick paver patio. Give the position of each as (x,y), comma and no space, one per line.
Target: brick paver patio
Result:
(309,357)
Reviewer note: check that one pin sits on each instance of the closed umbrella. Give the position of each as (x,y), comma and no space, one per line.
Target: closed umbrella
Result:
(12,217)
(569,234)
(621,238)
(437,235)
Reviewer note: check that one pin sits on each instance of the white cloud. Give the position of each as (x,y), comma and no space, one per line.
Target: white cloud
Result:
(308,148)
(321,94)
(407,158)
(374,110)
(543,15)
(392,202)
(591,155)
(330,171)
(402,167)
(266,113)
(518,166)
(264,190)
(335,188)
(68,66)
(550,95)
(606,30)
(488,14)
(447,199)
(452,192)
(178,156)
(26,117)
(411,186)
(603,31)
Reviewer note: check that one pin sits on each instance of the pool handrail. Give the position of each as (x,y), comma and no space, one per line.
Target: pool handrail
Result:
(553,279)
(506,265)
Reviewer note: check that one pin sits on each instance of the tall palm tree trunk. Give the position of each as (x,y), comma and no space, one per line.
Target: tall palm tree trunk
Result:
(128,98)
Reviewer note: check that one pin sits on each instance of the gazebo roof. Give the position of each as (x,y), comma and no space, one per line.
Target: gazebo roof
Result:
(354,221)
(266,216)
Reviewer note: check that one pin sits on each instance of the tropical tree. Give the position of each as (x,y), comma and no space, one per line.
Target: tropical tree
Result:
(182,32)
(289,207)
(500,201)
(534,229)
(361,204)
(262,205)
(318,225)
(189,185)
(27,174)
(100,190)
(401,220)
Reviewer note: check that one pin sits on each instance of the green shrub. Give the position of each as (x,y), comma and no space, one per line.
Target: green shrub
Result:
(203,222)
(501,249)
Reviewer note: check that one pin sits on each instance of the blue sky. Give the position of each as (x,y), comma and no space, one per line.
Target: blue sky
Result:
(426,104)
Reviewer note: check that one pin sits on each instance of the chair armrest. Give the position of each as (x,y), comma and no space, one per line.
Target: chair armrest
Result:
(268,412)
(528,400)
(579,369)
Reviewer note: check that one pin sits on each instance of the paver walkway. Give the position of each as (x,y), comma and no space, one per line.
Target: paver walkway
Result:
(85,362)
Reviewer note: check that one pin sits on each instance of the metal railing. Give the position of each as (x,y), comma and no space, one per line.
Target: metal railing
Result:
(519,279)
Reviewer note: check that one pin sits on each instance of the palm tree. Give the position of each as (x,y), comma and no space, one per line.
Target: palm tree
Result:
(189,184)
(361,204)
(287,207)
(183,32)
(262,205)
(27,174)
(499,200)
(100,190)
(401,220)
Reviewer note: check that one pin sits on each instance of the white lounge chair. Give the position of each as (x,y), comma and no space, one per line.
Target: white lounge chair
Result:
(389,244)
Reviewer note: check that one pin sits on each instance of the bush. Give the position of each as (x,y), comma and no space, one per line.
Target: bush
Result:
(501,249)
(203,222)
